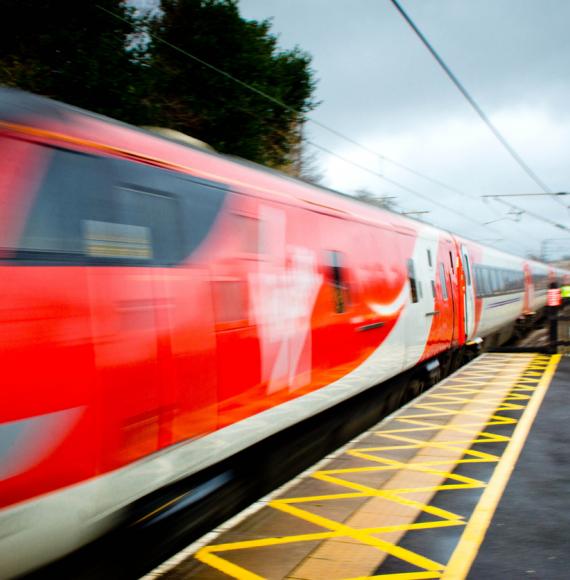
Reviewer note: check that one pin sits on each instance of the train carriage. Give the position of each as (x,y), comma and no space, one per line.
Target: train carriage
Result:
(164,307)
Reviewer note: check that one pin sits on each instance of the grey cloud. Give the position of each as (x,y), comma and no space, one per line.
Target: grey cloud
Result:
(379,85)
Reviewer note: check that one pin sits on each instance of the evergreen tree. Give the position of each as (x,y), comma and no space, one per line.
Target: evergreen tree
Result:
(73,51)
(208,105)
(102,56)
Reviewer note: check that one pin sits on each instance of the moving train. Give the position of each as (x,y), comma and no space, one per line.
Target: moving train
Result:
(163,307)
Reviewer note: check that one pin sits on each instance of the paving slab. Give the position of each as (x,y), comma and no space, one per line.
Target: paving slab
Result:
(414,496)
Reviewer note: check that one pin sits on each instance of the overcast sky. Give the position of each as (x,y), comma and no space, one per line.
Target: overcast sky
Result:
(380,86)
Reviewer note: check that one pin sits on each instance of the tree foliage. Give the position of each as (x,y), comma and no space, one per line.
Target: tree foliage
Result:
(145,70)
(213,107)
(72,51)
(302,162)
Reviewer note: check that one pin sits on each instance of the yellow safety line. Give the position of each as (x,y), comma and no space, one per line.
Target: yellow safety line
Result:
(402,576)
(472,537)
(345,530)
(496,399)
(233,570)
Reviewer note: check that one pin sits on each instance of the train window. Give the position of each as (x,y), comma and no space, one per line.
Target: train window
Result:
(443,281)
(247,231)
(412,279)
(486,281)
(508,280)
(67,195)
(429,257)
(492,277)
(155,216)
(495,281)
(112,240)
(477,275)
(478,272)
(94,210)
(451,261)
(178,210)
(433,288)
(467,268)
(499,274)
(230,301)
(490,281)
(338,282)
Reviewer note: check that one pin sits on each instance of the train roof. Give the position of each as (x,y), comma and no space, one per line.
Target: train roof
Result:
(23,108)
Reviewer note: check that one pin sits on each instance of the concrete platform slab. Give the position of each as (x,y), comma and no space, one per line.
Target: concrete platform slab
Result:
(413,497)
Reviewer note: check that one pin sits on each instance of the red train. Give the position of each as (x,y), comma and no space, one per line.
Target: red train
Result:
(163,307)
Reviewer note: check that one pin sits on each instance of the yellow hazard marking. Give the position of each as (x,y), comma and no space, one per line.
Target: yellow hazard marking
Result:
(474,533)
(439,430)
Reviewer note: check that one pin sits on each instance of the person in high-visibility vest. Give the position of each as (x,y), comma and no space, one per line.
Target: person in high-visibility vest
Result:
(565,293)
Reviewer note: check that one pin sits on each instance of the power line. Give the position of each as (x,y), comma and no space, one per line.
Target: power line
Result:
(534,215)
(317,123)
(374,173)
(408,189)
(416,193)
(304,116)
(519,160)
(292,110)
(400,185)
(283,105)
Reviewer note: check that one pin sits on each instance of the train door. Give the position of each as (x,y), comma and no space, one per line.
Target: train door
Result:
(384,296)
(439,310)
(153,344)
(120,241)
(451,277)
(453,294)
(240,392)
(422,312)
(270,268)
(416,323)
(178,212)
(469,297)
(337,347)
(46,351)
(445,306)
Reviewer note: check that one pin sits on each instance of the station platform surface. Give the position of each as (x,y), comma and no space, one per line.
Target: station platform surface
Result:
(470,480)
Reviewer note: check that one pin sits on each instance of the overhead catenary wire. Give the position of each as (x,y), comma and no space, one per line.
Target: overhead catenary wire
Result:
(280,103)
(534,215)
(414,192)
(397,184)
(291,109)
(498,135)
(303,116)
(406,188)
(389,180)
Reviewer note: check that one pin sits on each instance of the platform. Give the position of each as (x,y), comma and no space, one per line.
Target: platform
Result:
(414,497)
